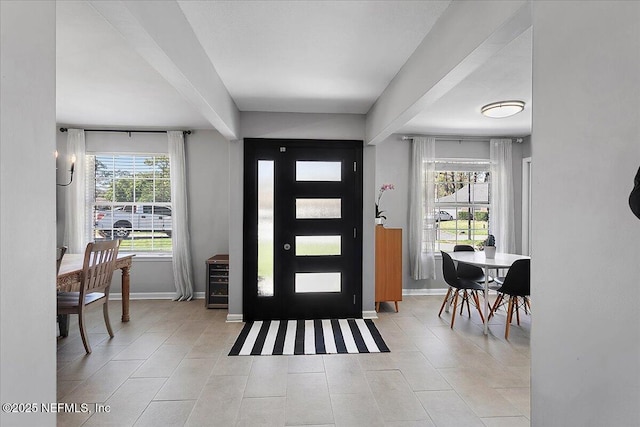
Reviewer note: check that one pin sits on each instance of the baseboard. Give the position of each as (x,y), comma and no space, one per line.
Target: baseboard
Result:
(418,292)
(151,295)
(234,318)
(369,314)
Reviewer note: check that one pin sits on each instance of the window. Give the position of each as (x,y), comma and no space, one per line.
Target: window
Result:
(462,203)
(130,198)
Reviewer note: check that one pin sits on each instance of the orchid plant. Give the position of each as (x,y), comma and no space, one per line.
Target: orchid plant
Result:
(384,188)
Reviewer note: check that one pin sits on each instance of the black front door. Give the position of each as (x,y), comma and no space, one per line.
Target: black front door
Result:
(302,229)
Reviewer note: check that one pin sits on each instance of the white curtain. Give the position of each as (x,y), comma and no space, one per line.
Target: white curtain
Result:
(75,230)
(422,231)
(182,274)
(501,220)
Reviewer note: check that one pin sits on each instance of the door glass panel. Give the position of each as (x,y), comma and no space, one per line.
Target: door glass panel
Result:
(265,227)
(318,171)
(318,282)
(318,208)
(318,245)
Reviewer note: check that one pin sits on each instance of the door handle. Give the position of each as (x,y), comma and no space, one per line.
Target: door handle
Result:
(287,246)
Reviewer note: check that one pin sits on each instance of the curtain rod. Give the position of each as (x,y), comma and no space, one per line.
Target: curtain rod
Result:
(461,138)
(184,132)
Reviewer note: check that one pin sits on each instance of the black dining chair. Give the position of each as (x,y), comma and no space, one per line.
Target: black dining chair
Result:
(473,272)
(516,284)
(467,271)
(457,284)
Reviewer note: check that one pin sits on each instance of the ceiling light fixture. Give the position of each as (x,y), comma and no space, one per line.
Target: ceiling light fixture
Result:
(499,110)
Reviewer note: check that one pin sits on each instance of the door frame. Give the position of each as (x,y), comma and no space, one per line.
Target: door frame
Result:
(526,206)
(252,147)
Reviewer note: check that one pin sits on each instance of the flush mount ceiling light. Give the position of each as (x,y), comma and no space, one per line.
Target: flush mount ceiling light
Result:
(499,110)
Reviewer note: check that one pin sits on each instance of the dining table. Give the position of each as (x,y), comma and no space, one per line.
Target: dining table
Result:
(70,276)
(479,259)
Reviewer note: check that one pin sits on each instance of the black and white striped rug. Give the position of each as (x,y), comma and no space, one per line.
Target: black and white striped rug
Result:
(327,336)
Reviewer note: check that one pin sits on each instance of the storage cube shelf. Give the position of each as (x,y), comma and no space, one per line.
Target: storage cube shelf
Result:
(217,295)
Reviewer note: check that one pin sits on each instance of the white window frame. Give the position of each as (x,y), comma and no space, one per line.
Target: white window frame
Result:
(460,165)
(91,204)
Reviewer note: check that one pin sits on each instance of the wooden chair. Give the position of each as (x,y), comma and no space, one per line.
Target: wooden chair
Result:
(99,263)
(60,251)
(62,319)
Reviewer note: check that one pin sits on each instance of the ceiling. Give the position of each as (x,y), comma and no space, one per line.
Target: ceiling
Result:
(280,56)
(507,76)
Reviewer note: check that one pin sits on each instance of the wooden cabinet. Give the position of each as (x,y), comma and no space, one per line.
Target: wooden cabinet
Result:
(217,295)
(388,265)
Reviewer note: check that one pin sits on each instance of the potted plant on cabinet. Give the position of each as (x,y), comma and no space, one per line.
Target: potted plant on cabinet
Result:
(490,247)
(379,216)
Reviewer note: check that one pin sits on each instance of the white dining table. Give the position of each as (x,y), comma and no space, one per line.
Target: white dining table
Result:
(478,258)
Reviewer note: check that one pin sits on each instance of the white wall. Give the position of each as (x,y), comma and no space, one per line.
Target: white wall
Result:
(206,156)
(585,343)
(27,209)
(304,126)
(301,125)
(393,162)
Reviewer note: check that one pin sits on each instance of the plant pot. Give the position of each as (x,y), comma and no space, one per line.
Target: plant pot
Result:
(490,252)
(378,221)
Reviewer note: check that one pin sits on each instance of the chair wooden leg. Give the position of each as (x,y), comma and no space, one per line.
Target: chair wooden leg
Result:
(496,304)
(517,308)
(446,298)
(105,311)
(527,304)
(509,318)
(477,300)
(455,304)
(83,332)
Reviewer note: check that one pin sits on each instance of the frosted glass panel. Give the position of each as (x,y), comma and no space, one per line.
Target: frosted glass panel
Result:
(318,282)
(318,245)
(318,208)
(318,171)
(265,227)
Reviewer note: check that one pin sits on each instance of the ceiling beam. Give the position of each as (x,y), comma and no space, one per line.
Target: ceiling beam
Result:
(160,33)
(466,36)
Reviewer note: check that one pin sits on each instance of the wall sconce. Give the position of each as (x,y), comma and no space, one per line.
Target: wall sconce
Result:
(73,165)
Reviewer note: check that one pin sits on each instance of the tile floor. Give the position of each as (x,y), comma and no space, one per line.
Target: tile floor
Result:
(169,367)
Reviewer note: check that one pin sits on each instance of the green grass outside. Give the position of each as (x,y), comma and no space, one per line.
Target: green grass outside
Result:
(478,227)
(465,233)
(265,259)
(144,243)
(265,255)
